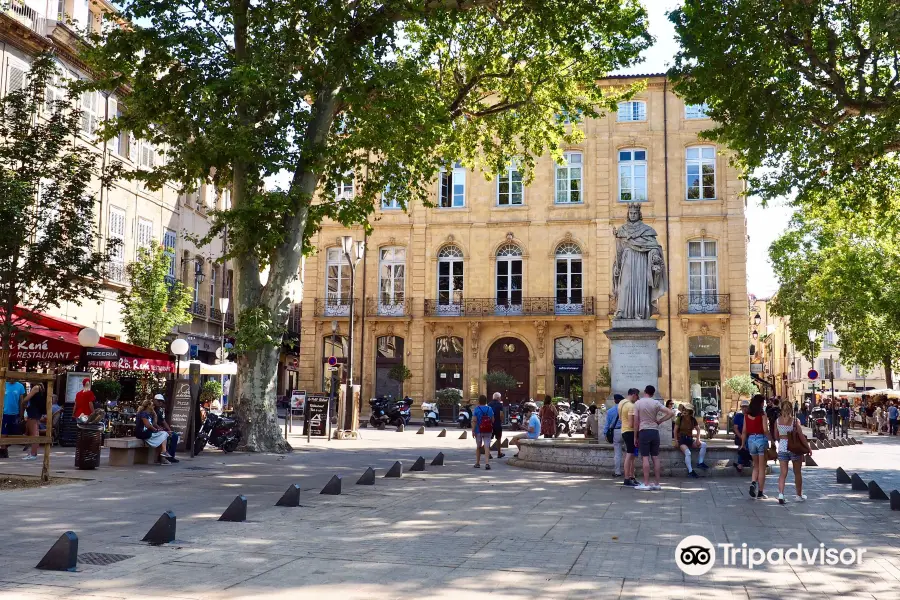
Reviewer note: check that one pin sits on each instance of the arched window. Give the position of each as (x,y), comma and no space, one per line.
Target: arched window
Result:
(450,280)
(509,279)
(448,360)
(569,299)
(703,279)
(337,293)
(391,280)
(389,354)
(632,175)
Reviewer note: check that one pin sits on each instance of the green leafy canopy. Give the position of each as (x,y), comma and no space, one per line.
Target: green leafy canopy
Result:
(807,92)
(154,303)
(48,238)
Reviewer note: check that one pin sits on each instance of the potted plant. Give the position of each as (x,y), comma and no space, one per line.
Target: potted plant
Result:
(447,400)
(500,380)
(210,392)
(742,385)
(400,374)
(604,383)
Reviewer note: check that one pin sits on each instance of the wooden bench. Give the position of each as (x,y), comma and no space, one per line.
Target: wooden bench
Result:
(128,451)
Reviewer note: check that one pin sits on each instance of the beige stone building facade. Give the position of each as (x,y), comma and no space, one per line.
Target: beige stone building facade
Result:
(126,210)
(497,276)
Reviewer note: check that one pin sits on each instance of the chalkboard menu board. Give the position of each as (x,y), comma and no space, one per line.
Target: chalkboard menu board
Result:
(181,407)
(316,416)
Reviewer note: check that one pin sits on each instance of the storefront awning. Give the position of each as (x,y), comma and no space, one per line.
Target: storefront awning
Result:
(61,340)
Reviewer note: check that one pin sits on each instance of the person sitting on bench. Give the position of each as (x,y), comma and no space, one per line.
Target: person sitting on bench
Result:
(145,430)
(685,425)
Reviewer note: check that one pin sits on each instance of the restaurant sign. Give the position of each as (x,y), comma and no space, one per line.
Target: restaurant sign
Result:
(130,363)
(43,349)
(110,354)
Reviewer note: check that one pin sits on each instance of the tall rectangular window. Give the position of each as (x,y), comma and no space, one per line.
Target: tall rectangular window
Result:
(634,110)
(343,188)
(702,276)
(569,179)
(116,235)
(144,233)
(389,200)
(695,111)
(391,281)
(169,240)
(633,175)
(91,111)
(15,75)
(509,187)
(452,192)
(213,281)
(701,172)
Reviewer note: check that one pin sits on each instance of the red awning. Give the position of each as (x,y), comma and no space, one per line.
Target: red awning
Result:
(42,344)
(63,336)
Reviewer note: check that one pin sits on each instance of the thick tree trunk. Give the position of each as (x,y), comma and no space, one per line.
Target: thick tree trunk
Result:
(888,372)
(255,390)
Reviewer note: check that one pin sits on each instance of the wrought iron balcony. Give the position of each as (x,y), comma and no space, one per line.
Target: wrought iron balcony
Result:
(229,319)
(690,304)
(215,314)
(115,271)
(199,309)
(335,306)
(384,306)
(490,307)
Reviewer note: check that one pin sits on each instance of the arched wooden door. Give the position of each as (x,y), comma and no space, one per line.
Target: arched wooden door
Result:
(510,355)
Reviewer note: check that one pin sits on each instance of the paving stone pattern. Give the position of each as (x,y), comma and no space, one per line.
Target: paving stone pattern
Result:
(450,532)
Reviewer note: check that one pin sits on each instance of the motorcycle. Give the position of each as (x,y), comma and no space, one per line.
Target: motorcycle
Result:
(711,423)
(431,413)
(404,407)
(464,418)
(819,424)
(565,419)
(218,431)
(515,417)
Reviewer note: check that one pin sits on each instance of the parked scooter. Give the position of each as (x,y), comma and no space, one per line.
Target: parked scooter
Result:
(565,419)
(218,431)
(711,423)
(464,418)
(819,424)
(432,414)
(515,417)
(404,406)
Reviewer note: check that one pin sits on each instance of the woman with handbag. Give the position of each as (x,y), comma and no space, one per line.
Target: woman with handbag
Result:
(756,440)
(793,447)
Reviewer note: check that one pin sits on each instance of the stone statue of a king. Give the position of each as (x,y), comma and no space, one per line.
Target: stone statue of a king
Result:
(639,272)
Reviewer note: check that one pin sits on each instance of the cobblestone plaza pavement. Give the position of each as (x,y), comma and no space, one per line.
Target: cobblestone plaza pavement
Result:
(450,532)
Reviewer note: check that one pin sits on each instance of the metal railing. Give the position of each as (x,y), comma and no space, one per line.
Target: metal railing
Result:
(115,271)
(27,16)
(198,309)
(215,314)
(383,306)
(528,306)
(229,319)
(690,304)
(334,306)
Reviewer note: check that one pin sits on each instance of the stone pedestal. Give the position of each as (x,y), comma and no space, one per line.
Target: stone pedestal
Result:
(634,360)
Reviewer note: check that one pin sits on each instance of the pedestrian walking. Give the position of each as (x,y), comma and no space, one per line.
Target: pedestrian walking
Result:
(613,432)
(548,418)
(685,425)
(893,413)
(646,426)
(12,408)
(35,409)
(626,413)
(755,439)
(737,426)
(880,419)
(497,434)
(792,447)
(482,428)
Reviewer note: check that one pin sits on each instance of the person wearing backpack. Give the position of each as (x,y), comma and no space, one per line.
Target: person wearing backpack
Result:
(482,429)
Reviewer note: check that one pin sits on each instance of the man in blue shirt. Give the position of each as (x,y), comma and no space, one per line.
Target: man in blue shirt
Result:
(614,423)
(737,426)
(893,413)
(497,406)
(12,408)
(532,425)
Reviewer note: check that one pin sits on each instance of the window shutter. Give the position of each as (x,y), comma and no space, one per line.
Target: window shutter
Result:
(113,107)
(16,79)
(132,148)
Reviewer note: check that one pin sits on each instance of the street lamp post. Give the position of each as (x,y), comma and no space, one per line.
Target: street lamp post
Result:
(812,334)
(179,348)
(334,327)
(353,252)
(223,308)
